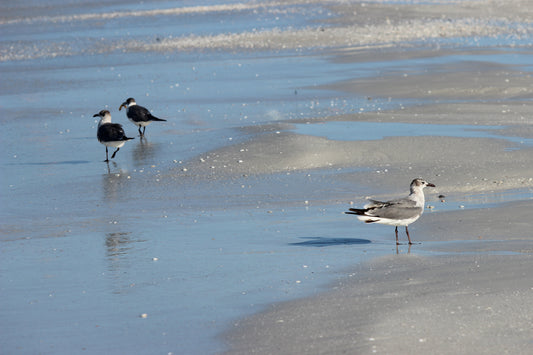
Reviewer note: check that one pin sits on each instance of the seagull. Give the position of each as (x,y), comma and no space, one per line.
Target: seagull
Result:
(110,134)
(138,115)
(400,212)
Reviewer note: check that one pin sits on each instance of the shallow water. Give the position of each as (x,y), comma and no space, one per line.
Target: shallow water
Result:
(190,273)
(88,247)
(358,131)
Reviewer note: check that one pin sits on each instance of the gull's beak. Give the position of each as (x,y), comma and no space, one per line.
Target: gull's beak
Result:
(123,105)
(96,115)
(431,185)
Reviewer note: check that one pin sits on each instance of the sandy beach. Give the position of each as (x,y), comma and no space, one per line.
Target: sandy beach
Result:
(466,289)
(406,304)
(473,295)
(223,230)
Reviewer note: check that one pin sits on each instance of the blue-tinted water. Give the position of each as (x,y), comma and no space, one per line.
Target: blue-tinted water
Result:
(87,248)
(356,131)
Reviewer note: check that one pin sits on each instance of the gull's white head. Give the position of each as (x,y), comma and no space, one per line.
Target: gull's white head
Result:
(419,184)
(105,117)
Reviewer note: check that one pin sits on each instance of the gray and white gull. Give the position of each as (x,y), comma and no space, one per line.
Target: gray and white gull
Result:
(399,212)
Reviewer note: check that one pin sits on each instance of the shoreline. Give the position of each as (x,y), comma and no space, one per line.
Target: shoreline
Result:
(459,165)
(453,241)
(457,291)
(466,288)
(228,207)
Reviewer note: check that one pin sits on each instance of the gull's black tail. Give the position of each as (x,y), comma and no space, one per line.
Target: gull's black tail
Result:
(153,118)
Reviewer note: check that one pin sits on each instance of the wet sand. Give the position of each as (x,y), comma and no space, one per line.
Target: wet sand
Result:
(473,295)
(406,304)
(467,287)
(227,209)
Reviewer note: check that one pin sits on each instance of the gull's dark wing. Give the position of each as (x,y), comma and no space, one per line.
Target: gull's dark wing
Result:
(141,114)
(111,132)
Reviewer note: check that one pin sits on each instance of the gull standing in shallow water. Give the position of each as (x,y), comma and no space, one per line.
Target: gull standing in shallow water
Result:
(110,134)
(400,212)
(138,115)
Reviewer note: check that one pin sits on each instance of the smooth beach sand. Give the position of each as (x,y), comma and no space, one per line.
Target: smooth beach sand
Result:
(406,304)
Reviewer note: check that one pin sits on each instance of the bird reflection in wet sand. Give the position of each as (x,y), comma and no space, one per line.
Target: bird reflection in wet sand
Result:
(145,152)
(116,186)
(400,212)
(117,243)
(120,248)
(398,249)
(115,166)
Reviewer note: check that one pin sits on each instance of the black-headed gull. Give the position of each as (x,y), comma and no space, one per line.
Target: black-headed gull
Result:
(110,134)
(138,115)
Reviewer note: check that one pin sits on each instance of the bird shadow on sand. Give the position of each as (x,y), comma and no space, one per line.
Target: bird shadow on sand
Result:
(320,242)
(65,162)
